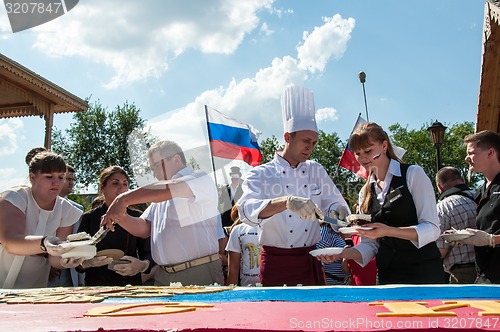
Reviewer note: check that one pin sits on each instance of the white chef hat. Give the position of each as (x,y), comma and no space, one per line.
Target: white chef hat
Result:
(297,107)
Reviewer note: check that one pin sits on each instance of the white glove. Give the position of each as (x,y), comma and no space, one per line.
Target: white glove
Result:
(304,207)
(71,262)
(479,239)
(340,213)
(131,269)
(51,244)
(96,262)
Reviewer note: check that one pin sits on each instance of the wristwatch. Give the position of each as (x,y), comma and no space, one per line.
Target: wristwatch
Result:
(42,245)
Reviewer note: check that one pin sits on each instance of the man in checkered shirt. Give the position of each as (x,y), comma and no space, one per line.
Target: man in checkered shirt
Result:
(456,209)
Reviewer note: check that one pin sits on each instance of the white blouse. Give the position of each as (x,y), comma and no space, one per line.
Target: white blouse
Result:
(34,272)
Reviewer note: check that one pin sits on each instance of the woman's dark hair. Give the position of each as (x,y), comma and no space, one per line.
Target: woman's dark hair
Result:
(47,162)
(106,174)
(31,153)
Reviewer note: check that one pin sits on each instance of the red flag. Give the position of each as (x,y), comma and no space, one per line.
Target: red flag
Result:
(348,160)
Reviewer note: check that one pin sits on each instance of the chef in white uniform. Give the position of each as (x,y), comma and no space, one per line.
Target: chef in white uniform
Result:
(284,196)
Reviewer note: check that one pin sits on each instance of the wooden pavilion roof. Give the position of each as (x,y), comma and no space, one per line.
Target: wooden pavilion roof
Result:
(25,93)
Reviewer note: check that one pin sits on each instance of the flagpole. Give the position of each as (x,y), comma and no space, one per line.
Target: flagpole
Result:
(209,147)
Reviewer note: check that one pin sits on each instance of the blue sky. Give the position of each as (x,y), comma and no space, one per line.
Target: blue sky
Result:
(422,60)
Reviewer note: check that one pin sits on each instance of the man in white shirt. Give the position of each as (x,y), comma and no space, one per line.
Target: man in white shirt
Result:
(182,221)
(284,196)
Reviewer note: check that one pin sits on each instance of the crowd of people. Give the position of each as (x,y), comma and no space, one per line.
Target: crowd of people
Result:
(261,228)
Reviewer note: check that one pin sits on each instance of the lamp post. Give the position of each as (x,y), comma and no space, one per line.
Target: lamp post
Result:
(362,79)
(437,135)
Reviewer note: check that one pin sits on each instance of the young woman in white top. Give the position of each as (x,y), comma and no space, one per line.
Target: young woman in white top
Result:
(401,200)
(33,219)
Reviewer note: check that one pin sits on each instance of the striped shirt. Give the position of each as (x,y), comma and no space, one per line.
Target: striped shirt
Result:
(333,271)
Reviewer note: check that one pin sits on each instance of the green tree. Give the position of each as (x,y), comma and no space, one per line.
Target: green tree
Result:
(97,139)
(421,151)
(453,150)
(327,152)
(268,148)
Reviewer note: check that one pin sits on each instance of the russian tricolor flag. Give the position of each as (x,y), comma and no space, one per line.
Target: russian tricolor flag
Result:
(232,139)
(348,160)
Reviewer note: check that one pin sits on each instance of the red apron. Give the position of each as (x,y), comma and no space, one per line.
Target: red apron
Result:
(280,266)
(362,276)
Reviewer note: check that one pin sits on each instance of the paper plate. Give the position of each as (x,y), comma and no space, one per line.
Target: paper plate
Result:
(113,253)
(76,244)
(456,236)
(83,251)
(353,229)
(326,251)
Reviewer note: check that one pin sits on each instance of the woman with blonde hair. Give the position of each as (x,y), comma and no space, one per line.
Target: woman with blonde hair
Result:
(401,200)
(33,219)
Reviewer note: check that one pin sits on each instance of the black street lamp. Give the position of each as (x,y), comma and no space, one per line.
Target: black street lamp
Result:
(437,136)
(362,79)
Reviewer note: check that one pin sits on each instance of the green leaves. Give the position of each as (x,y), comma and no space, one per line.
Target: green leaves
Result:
(421,151)
(97,139)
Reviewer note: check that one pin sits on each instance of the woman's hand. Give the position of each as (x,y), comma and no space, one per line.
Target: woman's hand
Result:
(379,230)
(131,269)
(327,259)
(52,246)
(348,253)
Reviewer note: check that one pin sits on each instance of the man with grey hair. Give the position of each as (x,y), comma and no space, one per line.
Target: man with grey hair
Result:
(456,210)
(182,220)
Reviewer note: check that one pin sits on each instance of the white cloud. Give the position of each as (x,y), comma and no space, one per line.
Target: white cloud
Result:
(254,100)
(140,41)
(5,29)
(9,177)
(265,30)
(280,12)
(325,114)
(8,135)
(325,41)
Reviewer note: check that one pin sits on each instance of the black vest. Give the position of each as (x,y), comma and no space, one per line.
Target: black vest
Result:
(398,260)
(488,220)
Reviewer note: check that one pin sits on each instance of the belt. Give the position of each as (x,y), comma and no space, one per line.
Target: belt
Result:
(460,266)
(186,265)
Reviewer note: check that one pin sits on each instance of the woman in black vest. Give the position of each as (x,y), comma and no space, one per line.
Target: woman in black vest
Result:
(401,200)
